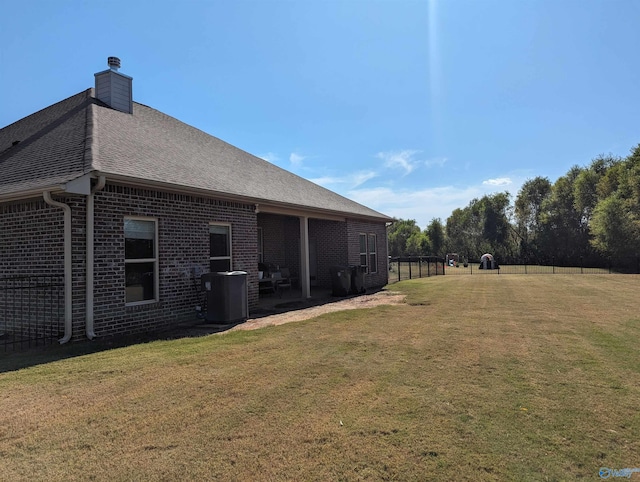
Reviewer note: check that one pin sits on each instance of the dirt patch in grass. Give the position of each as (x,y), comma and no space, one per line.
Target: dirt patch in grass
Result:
(382,297)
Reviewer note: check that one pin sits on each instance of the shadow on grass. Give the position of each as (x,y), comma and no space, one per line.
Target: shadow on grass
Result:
(197,327)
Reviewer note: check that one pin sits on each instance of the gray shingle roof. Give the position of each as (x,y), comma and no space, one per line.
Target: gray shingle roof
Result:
(81,135)
(51,148)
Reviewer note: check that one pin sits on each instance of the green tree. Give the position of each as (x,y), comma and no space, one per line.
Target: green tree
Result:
(615,225)
(483,226)
(563,237)
(436,235)
(496,214)
(615,229)
(585,187)
(398,233)
(417,244)
(459,233)
(527,211)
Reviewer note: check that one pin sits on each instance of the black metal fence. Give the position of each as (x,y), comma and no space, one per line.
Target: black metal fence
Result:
(415,267)
(31,311)
(421,267)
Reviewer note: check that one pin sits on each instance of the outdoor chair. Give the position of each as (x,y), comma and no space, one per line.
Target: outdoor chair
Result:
(287,275)
(281,280)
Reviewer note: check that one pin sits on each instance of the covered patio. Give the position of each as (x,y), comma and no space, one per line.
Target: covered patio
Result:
(291,299)
(299,249)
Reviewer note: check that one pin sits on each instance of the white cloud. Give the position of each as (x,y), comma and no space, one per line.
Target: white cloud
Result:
(296,159)
(436,161)
(424,204)
(350,181)
(327,181)
(361,177)
(401,198)
(499,181)
(402,159)
(270,157)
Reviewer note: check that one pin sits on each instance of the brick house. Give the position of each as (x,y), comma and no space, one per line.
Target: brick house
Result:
(133,205)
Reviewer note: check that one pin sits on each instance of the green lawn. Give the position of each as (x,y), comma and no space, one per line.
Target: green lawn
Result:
(422,271)
(475,378)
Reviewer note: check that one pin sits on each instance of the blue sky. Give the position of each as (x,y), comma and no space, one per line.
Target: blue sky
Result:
(412,108)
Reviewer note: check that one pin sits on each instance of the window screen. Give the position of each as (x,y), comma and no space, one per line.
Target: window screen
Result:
(219,247)
(141,260)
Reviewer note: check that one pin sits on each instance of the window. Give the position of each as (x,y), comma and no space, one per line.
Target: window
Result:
(141,260)
(260,244)
(219,247)
(369,252)
(363,249)
(373,254)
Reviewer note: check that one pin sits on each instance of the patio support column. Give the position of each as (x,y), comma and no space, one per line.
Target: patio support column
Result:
(305,282)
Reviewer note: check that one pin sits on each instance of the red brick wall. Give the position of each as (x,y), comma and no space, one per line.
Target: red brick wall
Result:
(31,239)
(292,245)
(354,228)
(331,247)
(337,244)
(281,241)
(32,243)
(183,238)
(273,238)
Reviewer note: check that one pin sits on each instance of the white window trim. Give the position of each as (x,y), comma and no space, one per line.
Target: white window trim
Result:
(155,260)
(373,269)
(364,253)
(230,257)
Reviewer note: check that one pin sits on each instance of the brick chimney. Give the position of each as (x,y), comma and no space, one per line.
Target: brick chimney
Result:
(113,88)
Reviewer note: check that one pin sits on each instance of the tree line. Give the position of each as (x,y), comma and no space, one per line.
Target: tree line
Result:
(589,215)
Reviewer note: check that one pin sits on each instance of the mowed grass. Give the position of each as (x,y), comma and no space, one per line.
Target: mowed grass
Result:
(505,269)
(417,270)
(475,378)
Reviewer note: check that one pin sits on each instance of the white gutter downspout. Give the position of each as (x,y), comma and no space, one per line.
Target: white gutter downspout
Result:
(68,300)
(90,257)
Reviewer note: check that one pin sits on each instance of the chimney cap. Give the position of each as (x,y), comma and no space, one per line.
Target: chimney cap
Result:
(114,63)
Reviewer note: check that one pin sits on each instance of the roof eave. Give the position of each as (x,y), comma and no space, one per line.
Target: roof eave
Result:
(31,193)
(262,205)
